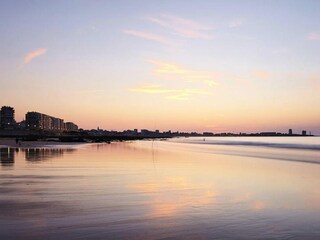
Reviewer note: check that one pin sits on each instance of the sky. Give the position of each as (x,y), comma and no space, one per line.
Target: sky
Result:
(205,65)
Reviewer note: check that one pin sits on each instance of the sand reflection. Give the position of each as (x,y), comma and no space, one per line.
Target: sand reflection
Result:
(259,205)
(174,195)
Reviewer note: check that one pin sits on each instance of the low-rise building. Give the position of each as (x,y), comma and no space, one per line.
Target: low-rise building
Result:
(70,127)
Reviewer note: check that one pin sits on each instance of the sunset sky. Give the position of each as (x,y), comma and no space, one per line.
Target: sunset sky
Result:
(220,66)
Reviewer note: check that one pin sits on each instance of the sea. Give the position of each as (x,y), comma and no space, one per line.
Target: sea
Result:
(179,188)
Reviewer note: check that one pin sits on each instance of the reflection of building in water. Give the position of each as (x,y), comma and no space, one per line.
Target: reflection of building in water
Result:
(40,154)
(7,157)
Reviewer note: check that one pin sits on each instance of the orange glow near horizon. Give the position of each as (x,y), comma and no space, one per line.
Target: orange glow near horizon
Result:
(178,117)
(158,69)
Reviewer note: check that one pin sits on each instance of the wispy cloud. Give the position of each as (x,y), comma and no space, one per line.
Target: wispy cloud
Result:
(182,27)
(152,89)
(30,56)
(235,23)
(315,36)
(174,94)
(149,37)
(175,71)
(184,94)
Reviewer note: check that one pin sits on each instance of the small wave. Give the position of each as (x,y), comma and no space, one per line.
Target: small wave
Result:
(260,144)
(259,149)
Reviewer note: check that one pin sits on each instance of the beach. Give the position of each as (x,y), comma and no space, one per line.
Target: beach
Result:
(13,143)
(159,190)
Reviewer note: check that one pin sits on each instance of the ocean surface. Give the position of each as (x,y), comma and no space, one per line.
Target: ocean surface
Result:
(182,188)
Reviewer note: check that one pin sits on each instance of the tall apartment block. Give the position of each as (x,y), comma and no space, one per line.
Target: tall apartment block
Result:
(7,120)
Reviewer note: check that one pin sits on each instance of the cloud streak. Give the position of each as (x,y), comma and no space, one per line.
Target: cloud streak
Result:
(149,37)
(182,27)
(174,94)
(175,71)
(32,55)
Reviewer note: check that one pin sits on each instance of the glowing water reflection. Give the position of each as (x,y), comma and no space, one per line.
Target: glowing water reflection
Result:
(157,190)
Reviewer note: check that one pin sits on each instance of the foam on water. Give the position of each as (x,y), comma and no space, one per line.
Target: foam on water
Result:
(303,143)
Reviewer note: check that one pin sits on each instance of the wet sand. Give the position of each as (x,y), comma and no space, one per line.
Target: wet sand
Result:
(11,142)
(159,190)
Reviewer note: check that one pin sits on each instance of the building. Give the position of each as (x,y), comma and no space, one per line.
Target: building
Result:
(7,120)
(268,133)
(47,122)
(40,121)
(21,125)
(304,132)
(145,132)
(57,124)
(290,131)
(208,134)
(34,121)
(70,127)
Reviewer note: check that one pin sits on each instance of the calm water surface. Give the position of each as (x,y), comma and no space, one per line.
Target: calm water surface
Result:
(188,188)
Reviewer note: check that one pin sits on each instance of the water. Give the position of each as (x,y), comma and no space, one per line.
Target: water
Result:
(180,188)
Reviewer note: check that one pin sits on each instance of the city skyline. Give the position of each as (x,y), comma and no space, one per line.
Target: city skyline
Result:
(33,121)
(179,65)
(41,123)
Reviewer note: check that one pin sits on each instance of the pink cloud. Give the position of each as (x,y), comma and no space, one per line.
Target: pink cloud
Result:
(174,94)
(30,56)
(149,36)
(183,27)
(175,71)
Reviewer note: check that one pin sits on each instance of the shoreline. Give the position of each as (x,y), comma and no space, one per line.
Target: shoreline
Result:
(11,143)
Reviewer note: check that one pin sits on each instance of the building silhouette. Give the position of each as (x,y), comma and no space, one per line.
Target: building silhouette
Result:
(40,121)
(34,121)
(44,122)
(290,131)
(70,127)
(7,120)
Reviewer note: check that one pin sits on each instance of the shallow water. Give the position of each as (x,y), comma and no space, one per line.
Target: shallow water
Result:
(162,190)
